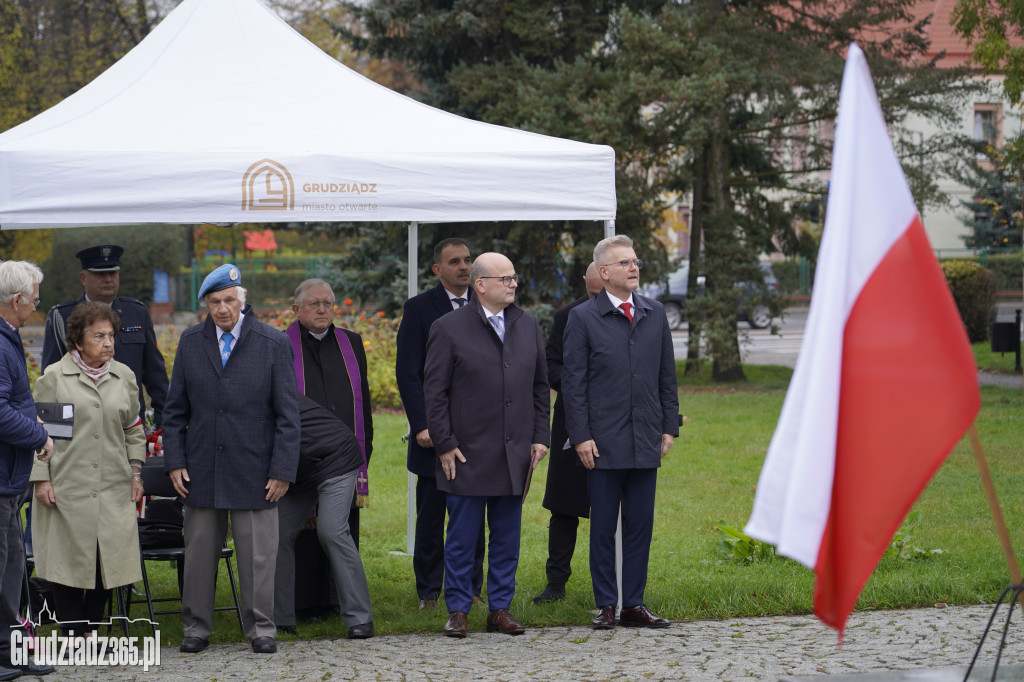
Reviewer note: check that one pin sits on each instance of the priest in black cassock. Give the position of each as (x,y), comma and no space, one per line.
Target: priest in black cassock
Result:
(330,368)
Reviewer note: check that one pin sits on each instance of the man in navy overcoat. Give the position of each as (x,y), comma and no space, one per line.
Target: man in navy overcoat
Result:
(622,414)
(488,401)
(452,261)
(231,443)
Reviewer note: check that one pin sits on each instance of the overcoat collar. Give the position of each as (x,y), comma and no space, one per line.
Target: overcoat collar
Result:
(210,337)
(439,296)
(68,366)
(641,306)
(512,314)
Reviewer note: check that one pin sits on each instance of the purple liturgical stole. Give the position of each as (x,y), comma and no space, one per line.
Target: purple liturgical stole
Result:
(355,380)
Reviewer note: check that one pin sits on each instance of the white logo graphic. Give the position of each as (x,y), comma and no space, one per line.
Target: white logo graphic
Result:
(56,649)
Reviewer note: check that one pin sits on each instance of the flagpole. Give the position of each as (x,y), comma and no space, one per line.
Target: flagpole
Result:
(997,514)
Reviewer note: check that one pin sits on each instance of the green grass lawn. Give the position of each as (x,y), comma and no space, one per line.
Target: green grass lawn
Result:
(708,477)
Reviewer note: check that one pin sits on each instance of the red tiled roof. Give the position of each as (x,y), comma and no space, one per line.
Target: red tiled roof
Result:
(942,34)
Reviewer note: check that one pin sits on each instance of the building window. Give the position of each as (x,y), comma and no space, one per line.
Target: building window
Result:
(988,124)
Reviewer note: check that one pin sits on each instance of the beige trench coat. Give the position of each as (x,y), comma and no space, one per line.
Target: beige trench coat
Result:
(91,480)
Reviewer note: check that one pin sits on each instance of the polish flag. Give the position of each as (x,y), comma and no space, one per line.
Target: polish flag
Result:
(885,384)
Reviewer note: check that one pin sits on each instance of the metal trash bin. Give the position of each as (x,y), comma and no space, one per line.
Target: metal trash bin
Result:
(1005,337)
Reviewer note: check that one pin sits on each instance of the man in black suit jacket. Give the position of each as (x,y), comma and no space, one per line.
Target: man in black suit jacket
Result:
(486,390)
(566,493)
(452,261)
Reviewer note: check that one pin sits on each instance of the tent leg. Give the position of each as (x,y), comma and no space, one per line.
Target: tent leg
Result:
(410,526)
(609,228)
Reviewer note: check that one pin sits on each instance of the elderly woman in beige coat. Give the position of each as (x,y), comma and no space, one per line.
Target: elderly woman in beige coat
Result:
(84,520)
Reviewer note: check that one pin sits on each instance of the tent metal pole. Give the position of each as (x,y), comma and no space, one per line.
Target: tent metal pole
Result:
(609,228)
(414,268)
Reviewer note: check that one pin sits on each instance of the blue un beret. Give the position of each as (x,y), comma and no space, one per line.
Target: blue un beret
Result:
(223,277)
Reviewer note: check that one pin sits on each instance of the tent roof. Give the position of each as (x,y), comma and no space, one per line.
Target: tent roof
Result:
(225,114)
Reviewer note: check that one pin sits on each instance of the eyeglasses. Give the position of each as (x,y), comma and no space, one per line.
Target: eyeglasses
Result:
(505,279)
(35,302)
(317,305)
(624,264)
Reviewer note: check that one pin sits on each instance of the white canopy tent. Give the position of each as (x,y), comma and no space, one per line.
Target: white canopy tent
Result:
(224,114)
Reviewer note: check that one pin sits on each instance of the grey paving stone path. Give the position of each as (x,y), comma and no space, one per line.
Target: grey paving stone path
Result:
(762,648)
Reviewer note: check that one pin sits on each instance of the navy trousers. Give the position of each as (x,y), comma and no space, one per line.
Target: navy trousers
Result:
(428,546)
(465,522)
(634,489)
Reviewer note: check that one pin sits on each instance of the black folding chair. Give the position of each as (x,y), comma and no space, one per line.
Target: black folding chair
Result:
(169,546)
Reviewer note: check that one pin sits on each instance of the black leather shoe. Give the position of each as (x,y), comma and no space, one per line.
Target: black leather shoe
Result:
(287,629)
(551,593)
(264,645)
(9,673)
(640,617)
(193,645)
(605,618)
(29,668)
(361,631)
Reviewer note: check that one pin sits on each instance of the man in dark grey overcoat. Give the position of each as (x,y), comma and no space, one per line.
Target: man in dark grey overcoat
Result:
(231,438)
(487,397)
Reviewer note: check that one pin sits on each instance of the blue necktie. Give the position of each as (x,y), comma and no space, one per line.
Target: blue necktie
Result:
(499,326)
(225,351)
(459,301)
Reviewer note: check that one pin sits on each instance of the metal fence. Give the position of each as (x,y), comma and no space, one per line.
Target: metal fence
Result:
(270,282)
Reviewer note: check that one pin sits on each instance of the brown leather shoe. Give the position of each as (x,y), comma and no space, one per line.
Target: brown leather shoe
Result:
(640,617)
(456,625)
(502,621)
(605,618)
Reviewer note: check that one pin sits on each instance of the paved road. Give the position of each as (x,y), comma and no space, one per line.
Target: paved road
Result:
(760,648)
(760,346)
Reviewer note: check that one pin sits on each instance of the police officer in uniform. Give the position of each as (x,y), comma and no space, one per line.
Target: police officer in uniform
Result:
(135,343)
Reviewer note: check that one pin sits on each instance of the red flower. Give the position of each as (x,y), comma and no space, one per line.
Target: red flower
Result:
(380,313)
(348,301)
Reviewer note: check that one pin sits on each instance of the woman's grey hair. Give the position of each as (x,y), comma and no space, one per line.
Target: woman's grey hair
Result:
(18,277)
(607,243)
(306,285)
(86,314)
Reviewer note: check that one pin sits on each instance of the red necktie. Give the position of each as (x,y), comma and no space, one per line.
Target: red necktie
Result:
(625,308)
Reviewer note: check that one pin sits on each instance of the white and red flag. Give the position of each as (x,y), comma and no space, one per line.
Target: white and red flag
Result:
(885,384)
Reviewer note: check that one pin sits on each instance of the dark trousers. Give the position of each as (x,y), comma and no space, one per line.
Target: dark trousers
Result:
(561,546)
(12,563)
(634,490)
(79,610)
(428,546)
(465,520)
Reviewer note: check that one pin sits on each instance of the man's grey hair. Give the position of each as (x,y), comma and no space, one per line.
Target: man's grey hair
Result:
(607,243)
(477,270)
(240,293)
(306,285)
(18,277)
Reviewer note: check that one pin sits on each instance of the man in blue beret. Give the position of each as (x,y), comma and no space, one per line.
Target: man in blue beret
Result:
(231,443)
(135,343)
